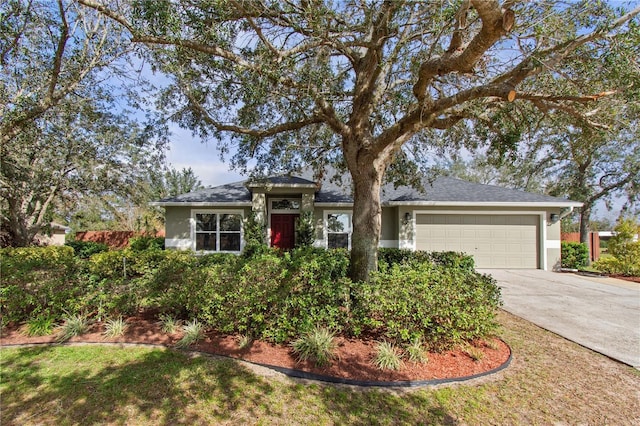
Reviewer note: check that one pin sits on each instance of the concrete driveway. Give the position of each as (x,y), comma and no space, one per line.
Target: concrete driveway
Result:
(602,314)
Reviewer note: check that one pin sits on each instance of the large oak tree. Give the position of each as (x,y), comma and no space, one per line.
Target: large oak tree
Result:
(366,85)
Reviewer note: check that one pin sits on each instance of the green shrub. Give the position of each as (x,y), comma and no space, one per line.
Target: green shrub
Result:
(146,242)
(416,351)
(317,345)
(624,252)
(169,324)
(387,257)
(305,231)
(443,305)
(574,255)
(85,249)
(38,280)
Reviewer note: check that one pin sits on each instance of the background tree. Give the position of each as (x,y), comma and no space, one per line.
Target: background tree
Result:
(59,136)
(588,151)
(365,86)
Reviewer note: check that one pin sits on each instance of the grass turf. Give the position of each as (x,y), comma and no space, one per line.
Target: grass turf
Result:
(550,380)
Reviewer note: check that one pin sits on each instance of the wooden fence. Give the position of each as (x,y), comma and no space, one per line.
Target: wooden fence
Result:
(593,242)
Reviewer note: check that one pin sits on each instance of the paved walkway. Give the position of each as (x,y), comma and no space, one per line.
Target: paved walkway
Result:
(602,314)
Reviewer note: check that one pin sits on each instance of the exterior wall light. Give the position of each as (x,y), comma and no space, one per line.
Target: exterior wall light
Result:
(407,217)
(554,217)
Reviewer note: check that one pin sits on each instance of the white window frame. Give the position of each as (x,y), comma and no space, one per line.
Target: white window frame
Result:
(217,212)
(349,213)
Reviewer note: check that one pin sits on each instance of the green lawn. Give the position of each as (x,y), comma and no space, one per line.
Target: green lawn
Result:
(550,380)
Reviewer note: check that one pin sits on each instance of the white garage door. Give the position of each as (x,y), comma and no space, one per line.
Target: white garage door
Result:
(494,241)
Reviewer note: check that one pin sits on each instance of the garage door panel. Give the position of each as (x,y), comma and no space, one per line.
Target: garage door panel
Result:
(495,241)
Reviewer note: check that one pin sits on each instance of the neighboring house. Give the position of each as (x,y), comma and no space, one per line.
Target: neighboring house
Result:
(55,237)
(500,228)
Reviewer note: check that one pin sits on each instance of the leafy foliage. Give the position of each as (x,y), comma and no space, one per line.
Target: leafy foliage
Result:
(42,325)
(442,305)
(85,249)
(73,325)
(61,139)
(193,332)
(388,356)
(624,249)
(317,345)
(273,295)
(305,231)
(115,327)
(144,242)
(574,255)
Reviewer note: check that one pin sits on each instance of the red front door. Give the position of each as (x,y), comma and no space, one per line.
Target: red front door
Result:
(283,230)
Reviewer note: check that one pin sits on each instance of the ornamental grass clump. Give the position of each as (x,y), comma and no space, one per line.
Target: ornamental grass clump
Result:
(416,351)
(114,327)
(387,357)
(169,324)
(42,325)
(193,331)
(73,325)
(317,345)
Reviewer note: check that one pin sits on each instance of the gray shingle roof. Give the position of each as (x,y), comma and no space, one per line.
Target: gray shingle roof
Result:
(441,190)
(235,192)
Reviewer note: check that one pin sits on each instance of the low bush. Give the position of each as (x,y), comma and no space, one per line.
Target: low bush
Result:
(388,257)
(272,295)
(85,249)
(114,327)
(146,242)
(193,332)
(38,281)
(624,252)
(73,325)
(574,255)
(442,305)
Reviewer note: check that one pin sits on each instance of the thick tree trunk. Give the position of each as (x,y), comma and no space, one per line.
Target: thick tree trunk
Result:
(585,216)
(367,213)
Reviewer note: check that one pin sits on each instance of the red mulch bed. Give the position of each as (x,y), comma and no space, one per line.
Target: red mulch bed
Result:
(353,356)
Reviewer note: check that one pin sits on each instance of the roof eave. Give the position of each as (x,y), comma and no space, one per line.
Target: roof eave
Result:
(483,203)
(200,204)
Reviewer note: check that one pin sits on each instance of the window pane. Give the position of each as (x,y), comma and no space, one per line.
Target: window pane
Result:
(205,241)
(230,241)
(285,205)
(338,222)
(205,222)
(338,241)
(230,222)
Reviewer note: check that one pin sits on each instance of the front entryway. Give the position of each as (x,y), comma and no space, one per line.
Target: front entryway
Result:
(283,230)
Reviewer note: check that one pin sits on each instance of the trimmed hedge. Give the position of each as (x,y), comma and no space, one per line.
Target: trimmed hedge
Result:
(574,255)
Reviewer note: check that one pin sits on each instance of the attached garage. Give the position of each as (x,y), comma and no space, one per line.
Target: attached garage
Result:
(494,240)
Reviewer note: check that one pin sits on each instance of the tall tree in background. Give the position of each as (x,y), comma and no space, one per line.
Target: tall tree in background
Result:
(363,85)
(59,136)
(588,151)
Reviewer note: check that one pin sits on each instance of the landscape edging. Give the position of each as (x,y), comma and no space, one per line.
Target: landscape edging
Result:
(298,374)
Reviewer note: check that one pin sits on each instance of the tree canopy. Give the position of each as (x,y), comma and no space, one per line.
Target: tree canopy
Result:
(369,87)
(64,132)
